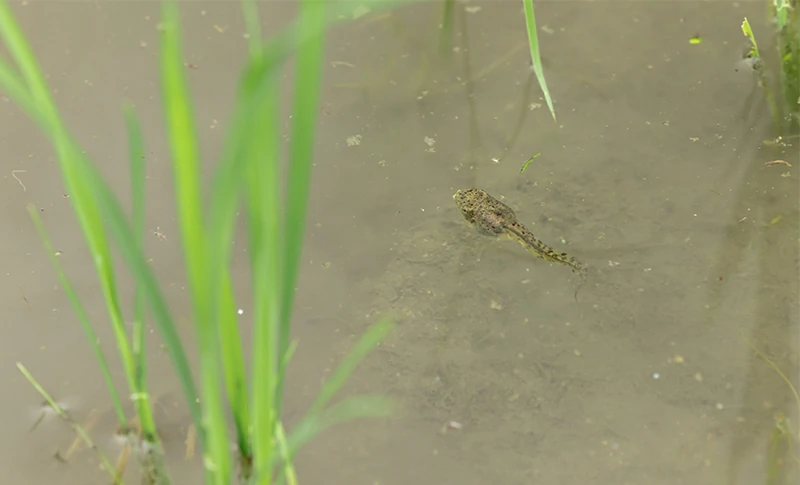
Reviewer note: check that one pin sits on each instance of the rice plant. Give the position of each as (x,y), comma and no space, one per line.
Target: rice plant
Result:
(248,173)
(782,87)
(446,41)
(536,59)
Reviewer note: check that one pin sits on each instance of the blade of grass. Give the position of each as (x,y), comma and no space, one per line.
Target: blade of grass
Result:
(185,159)
(536,61)
(84,204)
(317,418)
(348,409)
(446,35)
(104,461)
(368,341)
(83,319)
(777,370)
(756,54)
(136,164)
(75,162)
(11,83)
(264,216)
(155,468)
(286,463)
(135,260)
(233,362)
(13,87)
(222,206)
(307,80)
(253,27)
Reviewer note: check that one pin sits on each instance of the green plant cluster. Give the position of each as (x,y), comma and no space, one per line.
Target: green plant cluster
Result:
(782,93)
(249,173)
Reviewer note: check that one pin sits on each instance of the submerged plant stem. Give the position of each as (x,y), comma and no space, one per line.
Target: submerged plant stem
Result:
(104,461)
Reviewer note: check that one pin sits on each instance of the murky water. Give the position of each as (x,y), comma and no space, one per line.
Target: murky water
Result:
(653,176)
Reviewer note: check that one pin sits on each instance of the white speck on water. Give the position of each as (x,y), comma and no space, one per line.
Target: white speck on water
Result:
(240,312)
(656,375)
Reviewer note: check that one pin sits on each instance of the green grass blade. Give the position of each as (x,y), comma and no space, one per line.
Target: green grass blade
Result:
(220,231)
(155,468)
(79,430)
(222,206)
(318,418)
(446,34)
(754,52)
(348,409)
(533,42)
(368,341)
(68,156)
(185,158)
(22,54)
(233,362)
(264,211)
(286,462)
(43,111)
(253,27)
(289,38)
(14,87)
(83,319)
(307,80)
(131,252)
(136,164)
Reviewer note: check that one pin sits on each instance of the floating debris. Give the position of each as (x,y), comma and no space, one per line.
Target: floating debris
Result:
(528,162)
(777,162)
(354,141)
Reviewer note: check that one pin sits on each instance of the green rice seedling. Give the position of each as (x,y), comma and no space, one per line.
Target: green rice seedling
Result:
(446,34)
(783,92)
(780,446)
(30,91)
(788,23)
(446,43)
(536,60)
(248,172)
(82,434)
(754,57)
(83,319)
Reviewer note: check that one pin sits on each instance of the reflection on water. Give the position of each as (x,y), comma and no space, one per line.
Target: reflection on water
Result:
(652,176)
